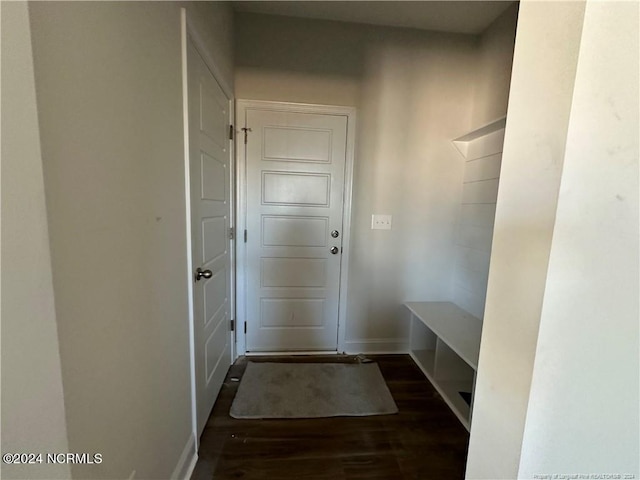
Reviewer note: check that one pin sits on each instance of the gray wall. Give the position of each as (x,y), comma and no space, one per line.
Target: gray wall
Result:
(109,92)
(109,99)
(414,93)
(494,71)
(482,172)
(33,415)
(214,23)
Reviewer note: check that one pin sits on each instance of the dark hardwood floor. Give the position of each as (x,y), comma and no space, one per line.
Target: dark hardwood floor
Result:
(423,441)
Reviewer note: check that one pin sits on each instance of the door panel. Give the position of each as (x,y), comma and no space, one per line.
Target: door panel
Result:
(295,190)
(286,231)
(214,238)
(294,272)
(210,216)
(213,177)
(297,144)
(287,312)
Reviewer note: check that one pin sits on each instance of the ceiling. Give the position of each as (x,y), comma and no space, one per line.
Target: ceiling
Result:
(446,16)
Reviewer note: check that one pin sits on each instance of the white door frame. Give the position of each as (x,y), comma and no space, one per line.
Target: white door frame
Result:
(188,30)
(242,106)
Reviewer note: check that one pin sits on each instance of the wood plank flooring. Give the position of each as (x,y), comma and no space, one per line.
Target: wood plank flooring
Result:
(423,441)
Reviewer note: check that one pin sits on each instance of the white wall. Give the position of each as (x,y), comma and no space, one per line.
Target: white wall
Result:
(108,79)
(413,90)
(583,414)
(33,415)
(483,157)
(545,58)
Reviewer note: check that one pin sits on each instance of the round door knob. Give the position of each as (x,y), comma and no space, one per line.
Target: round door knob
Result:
(335,234)
(334,250)
(203,274)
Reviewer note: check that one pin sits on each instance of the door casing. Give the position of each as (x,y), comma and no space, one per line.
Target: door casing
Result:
(242,106)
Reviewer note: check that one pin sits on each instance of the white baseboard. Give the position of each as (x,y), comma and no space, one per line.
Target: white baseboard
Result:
(377,346)
(191,467)
(187,461)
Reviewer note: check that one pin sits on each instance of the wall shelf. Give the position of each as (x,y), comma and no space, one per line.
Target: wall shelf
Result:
(445,344)
(462,143)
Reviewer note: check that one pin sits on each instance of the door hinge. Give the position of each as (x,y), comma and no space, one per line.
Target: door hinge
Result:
(233,325)
(230,132)
(245,236)
(231,233)
(245,327)
(245,130)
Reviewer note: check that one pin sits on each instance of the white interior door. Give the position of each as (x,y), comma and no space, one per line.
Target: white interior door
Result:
(295,192)
(210,182)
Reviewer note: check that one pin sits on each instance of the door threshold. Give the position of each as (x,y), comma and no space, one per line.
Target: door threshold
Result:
(289,352)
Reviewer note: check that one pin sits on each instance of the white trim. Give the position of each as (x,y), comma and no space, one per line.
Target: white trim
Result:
(187,192)
(346,229)
(377,346)
(242,106)
(232,224)
(241,224)
(187,461)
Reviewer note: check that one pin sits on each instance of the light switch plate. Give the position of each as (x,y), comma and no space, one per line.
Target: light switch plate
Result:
(380,222)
